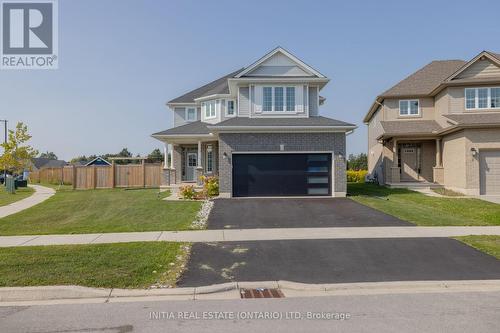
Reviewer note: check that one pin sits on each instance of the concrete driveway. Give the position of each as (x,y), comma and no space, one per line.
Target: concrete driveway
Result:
(296,213)
(338,261)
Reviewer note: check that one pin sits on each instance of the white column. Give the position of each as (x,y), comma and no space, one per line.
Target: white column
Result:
(172,154)
(165,155)
(199,155)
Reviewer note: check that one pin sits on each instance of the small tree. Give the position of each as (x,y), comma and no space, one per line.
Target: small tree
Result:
(50,155)
(155,156)
(357,162)
(17,155)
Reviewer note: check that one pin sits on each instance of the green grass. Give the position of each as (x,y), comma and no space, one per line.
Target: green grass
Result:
(446,192)
(424,210)
(124,265)
(487,244)
(8,198)
(95,211)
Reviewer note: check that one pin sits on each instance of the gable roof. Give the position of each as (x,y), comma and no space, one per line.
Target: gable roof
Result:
(494,57)
(97,159)
(429,80)
(218,86)
(287,54)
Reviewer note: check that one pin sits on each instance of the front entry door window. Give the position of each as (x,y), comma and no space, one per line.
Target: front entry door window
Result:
(191,162)
(410,155)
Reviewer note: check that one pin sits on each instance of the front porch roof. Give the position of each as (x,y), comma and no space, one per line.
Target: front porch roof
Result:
(188,133)
(409,128)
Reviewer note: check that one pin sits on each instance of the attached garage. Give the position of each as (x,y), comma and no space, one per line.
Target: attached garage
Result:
(490,171)
(281,174)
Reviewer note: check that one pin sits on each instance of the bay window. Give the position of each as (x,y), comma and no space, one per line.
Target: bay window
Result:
(209,109)
(482,98)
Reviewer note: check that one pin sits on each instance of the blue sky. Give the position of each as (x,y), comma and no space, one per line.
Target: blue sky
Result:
(120,61)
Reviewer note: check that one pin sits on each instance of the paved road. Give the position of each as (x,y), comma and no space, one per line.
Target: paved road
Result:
(444,312)
(296,213)
(338,261)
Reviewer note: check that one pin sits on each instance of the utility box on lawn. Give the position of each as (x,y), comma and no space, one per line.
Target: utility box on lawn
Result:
(10,185)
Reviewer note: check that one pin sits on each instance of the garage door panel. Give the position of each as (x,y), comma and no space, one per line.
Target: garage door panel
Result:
(281,174)
(490,171)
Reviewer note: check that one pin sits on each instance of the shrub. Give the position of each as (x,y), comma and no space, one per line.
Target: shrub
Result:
(210,186)
(188,192)
(358,176)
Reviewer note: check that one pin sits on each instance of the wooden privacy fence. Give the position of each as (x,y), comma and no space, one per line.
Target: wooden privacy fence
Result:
(101,176)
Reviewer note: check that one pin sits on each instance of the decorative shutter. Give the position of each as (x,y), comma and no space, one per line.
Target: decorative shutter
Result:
(258,99)
(299,98)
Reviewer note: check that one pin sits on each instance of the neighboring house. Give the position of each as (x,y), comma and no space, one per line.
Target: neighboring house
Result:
(38,163)
(260,131)
(440,125)
(97,161)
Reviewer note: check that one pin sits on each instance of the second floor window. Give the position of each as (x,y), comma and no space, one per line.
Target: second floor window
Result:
(209,109)
(230,108)
(409,107)
(482,98)
(277,99)
(191,114)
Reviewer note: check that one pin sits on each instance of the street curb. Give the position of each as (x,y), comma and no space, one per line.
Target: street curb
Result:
(67,294)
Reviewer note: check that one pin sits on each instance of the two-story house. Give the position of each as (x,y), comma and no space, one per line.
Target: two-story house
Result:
(440,125)
(259,130)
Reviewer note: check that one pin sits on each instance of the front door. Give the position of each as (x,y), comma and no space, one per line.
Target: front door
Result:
(410,162)
(191,161)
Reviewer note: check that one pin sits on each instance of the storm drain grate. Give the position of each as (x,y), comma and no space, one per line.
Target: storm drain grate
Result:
(261,293)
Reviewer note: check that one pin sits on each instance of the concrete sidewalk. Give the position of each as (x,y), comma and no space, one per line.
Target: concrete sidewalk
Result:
(41,194)
(47,295)
(248,235)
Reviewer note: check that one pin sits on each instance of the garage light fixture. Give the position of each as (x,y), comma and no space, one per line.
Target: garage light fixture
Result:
(224,156)
(473,151)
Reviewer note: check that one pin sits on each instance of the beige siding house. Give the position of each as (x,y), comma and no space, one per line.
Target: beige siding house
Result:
(440,126)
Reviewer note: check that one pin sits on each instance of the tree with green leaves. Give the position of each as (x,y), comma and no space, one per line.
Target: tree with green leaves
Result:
(49,154)
(156,156)
(357,162)
(17,154)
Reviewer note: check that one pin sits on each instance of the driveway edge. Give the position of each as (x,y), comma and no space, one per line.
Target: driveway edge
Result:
(12,296)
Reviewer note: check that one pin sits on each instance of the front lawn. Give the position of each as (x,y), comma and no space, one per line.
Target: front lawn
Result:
(8,198)
(425,210)
(96,211)
(487,244)
(123,265)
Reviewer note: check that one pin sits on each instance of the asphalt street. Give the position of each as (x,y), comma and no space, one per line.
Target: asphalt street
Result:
(439,312)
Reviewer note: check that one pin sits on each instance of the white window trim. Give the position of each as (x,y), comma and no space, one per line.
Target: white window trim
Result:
(476,101)
(204,109)
(408,114)
(234,107)
(273,111)
(195,113)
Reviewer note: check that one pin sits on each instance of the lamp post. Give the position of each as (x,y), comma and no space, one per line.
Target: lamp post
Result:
(4,141)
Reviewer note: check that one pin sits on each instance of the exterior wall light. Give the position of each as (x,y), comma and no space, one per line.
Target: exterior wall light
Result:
(473,151)
(224,156)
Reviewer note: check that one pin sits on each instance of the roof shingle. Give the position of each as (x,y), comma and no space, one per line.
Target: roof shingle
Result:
(475,119)
(425,80)
(290,122)
(410,127)
(218,86)
(194,128)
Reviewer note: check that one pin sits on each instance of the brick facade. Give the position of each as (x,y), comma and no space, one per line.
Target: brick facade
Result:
(293,142)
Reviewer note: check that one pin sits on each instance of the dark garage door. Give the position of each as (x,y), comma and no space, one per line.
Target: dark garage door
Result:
(281,174)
